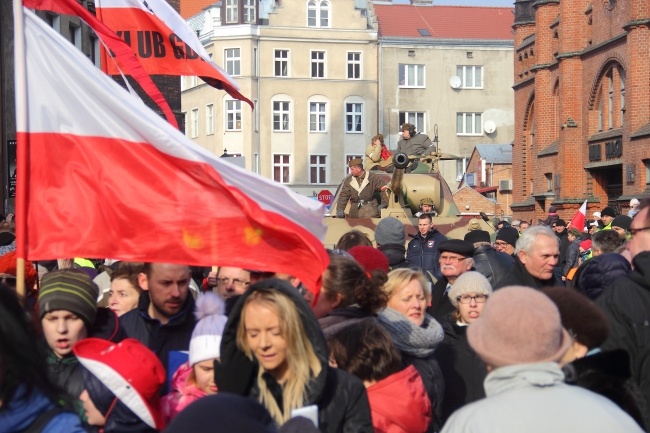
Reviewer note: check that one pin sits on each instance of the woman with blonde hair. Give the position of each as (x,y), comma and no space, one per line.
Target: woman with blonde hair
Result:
(274,351)
(414,332)
(378,157)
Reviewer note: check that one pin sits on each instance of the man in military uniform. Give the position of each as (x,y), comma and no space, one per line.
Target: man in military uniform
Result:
(363,190)
(414,143)
(427,206)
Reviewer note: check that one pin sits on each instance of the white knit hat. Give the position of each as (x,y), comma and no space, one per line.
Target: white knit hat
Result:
(469,282)
(206,337)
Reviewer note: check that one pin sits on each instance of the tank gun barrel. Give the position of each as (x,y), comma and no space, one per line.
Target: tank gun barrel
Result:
(400,162)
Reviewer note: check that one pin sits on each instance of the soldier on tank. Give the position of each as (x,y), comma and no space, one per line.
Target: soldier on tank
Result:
(364,191)
(413,142)
(427,207)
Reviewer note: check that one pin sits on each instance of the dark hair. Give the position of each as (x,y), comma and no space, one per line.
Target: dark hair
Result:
(425,216)
(606,241)
(379,137)
(353,238)
(21,363)
(365,350)
(345,277)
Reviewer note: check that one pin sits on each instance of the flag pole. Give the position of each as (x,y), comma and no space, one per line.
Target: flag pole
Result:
(20,83)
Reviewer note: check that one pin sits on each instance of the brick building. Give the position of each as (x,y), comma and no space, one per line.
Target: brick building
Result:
(582,105)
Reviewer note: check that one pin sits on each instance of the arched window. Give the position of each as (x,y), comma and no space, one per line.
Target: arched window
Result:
(318,13)
(311,13)
(611,98)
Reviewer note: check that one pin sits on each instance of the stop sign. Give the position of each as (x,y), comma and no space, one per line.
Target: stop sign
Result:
(325,197)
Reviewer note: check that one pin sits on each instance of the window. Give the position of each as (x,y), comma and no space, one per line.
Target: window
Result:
(549,182)
(354,66)
(414,118)
(231,11)
(249,11)
(460,168)
(233,61)
(411,75)
(194,123)
(281,63)
(318,169)
(75,35)
(610,100)
(471,76)
(95,51)
(281,116)
(233,115)
(317,116)
(209,119)
(194,81)
(646,164)
(318,13)
(318,64)
(184,114)
(281,168)
(622,93)
(349,158)
(469,124)
(353,117)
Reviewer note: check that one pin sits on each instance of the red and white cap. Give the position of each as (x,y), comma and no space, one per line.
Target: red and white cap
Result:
(130,371)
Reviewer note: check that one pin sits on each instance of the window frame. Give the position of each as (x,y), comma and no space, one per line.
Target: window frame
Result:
(353,114)
(233,115)
(464,123)
(319,14)
(461,71)
(281,165)
(281,112)
(415,118)
(248,9)
(209,119)
(317,116)
(194,122)
(318,169)
(280,61)
(232,11)
(403,76)
(353,64)
(232,61)
(318,62)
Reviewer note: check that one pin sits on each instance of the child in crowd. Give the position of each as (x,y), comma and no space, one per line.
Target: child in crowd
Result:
(122,385)
(195,378)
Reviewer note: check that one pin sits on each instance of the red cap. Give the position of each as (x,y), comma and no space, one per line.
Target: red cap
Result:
(130,371)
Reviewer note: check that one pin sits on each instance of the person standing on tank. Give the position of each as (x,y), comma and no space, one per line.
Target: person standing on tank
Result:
(363,190)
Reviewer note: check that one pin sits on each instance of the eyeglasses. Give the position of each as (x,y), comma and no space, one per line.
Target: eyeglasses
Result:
(500,244)
(236,282)
(466,299)
(451,259)
(635,231)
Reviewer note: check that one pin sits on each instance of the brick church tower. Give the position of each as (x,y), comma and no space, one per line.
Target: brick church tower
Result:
(582,105)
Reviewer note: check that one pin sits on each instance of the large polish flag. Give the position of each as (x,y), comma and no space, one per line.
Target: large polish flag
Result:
(104,176)
(163,41)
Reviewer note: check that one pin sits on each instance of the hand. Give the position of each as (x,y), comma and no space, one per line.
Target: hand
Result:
(340,214)
(212,279)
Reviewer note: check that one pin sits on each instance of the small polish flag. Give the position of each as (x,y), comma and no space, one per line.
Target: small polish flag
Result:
(578,220)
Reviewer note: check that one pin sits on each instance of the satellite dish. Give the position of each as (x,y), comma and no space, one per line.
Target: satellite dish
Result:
(489,126)
(455,82)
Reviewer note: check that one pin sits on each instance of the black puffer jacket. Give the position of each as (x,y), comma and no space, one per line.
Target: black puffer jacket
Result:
(462,368)
(599,272)
(396,255)
(341,398)
(492,264)
(175,335)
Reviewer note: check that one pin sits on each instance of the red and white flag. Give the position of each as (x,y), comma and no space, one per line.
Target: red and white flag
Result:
(578,220)
(163,41)
(104,176)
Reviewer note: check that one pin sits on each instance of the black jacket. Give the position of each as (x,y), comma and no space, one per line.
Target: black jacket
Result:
(396,255)
(162,339)
(341,318)
(564,246)
(572,255)
(423,253)
(462,368)
(599,272)
(441,306)
(341,398)
(626,303)
(492,264)
(519,276)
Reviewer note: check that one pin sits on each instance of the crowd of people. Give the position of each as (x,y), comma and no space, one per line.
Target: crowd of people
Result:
(532,328)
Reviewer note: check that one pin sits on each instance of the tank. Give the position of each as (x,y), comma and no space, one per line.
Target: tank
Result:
(405,190)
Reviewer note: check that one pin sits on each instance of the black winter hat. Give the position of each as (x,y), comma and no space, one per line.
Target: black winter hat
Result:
(457,246)
(622,221)
(509,235)
(608,211)
(475,236)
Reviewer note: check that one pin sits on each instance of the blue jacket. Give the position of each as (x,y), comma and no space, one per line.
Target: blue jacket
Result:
(21,411)
(423,252)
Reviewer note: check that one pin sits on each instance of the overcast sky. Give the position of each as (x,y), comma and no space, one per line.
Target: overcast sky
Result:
(502,3)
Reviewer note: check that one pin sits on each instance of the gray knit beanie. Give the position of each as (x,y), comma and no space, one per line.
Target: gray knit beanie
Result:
(390,231)
(71,290)
(469,282)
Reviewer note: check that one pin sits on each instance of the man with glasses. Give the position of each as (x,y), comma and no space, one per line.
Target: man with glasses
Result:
(228,282)
(455,259)
(536,256)
(506,240)
(627,302)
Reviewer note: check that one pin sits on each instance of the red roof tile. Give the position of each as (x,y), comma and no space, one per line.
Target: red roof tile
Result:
(445,22)
(189,8)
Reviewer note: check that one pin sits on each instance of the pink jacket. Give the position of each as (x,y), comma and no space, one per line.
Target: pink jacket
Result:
(182,393)
(399,403)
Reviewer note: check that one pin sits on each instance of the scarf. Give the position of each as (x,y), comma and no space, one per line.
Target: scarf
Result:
(416,341)
(354,183)
(385,153)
